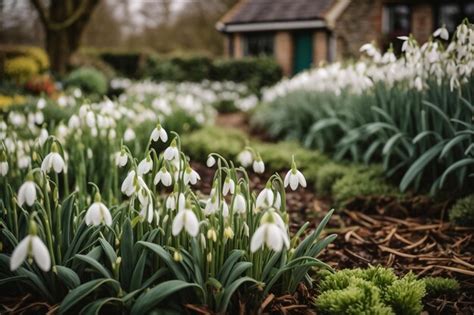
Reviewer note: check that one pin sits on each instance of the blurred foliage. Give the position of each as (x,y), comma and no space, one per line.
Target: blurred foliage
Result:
(375,290)
(436,286)
(328,175)
(41,84)
(7,101)
(21,69)
(462,213)
(89,80)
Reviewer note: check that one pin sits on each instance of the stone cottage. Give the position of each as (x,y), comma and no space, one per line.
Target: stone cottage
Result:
(302,33)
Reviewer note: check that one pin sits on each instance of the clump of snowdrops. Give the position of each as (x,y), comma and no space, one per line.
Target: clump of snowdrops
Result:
(132,252)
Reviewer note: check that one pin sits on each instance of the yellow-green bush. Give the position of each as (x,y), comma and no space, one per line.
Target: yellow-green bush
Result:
(462,213)
(39,55)
(21,69)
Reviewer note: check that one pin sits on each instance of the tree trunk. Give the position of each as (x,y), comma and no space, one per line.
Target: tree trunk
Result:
(64,23)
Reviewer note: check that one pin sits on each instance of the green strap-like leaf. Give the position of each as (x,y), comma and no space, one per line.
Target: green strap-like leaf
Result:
(145,302)
(68,276)
(94,264)
(229,291)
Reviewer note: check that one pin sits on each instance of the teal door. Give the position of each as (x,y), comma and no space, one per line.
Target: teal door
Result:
(302,51)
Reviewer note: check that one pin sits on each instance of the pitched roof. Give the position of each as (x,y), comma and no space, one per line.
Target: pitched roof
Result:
(258,11)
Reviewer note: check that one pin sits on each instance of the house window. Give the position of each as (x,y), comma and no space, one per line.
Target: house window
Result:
(396,20)
(452,14)
(257,44)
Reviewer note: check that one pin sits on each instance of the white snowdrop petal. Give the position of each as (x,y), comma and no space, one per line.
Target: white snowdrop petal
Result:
(257,239)
(41,254)
(19,253)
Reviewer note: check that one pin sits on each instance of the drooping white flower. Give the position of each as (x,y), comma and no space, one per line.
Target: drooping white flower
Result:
(258,165)
(294,178)
(210,161)
(240,205)
(98,213)
(41,103)
(144,166)
(171,202)
(245,158)
(271,233)
(211,205)
(31,246)
(441,32)
(54,161)
(185,219)
(265,198)
(121,158)
(147,212)
(164,177)
(43,137)
(190,176)
(159,133)
(27,193)
(229,186)
(171,152)
(3,168)
(129,183)
(129,135)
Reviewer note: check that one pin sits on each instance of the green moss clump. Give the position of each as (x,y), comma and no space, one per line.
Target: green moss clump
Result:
(362,182)
(375,290)
(436,286)
(462,213)
(404,295)
(328,175)
(89,80)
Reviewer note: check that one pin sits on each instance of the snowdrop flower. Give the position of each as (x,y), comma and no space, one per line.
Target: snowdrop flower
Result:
(441,32)
(144,166)
(121,158)
(225,209)
(3,168)
(159,133)
(41,103)
(240,205)
(228,233)
(24,162)
(171,202)
(54,161)
(245,158)
(185,219)
(43,137)
(258,165)
(271,232)
(229,186)
(265,197)
(212,235)
(191,176)
(147,212)
(129,135)
(171,152)
(294,177)
(98,213)
(33,247)
(164,177)
(405,42)
(418,83)
(27,192)
(211,205)
(210,161)
(129,183)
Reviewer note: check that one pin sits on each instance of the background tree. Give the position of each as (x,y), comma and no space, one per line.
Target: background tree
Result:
(63,22)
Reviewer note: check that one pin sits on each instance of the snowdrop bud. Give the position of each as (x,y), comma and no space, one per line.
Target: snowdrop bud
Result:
(212,235)
(209,257)
(177,256)
(246,229)
(43,137)
(129,135)
(258,165)
(41,103)
(159,133)
(210,161)
(203,240)
(228,233)
(3,168)
(245,158)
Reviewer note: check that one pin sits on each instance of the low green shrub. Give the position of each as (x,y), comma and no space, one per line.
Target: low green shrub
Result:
(375,290)
(436,286)
(89,80)
(462,213)
(363,181)
(328,175)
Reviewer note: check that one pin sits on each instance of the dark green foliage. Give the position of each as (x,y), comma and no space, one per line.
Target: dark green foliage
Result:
(422,138)
(375,290)
(462,213)
(362,181)
(128,64)
(328,175)
(89,80)
(436,286)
